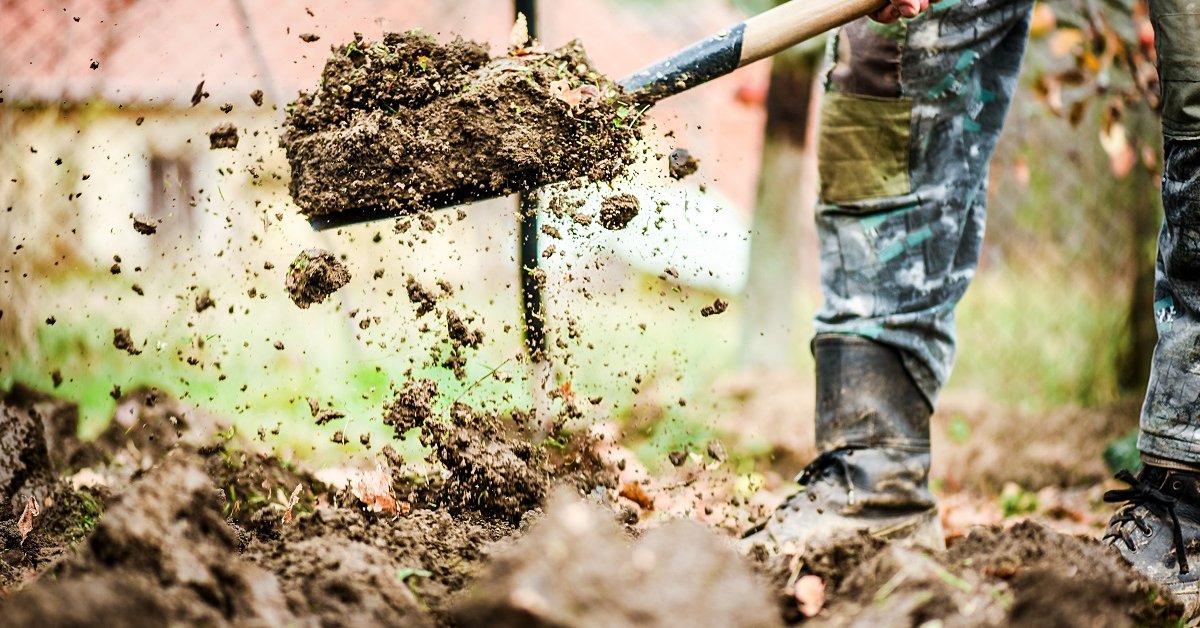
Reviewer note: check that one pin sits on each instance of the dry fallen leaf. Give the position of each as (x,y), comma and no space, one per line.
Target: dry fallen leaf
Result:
(519,36)
(1121,155)
(25,523)
(634,492)
(568,394)
(292,501)
(374,489)
(585,93)
(810,595)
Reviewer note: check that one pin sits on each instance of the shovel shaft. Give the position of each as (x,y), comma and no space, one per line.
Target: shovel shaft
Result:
(758,37)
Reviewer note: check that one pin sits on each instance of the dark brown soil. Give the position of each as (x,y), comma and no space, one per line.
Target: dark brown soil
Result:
(123,341)
(492,465)
(223,136)
(195,529)
(576,567)
(204,301)
(424,299)
(1026,575)
(682,163)
(25,466)
(617,211)
(398,123)
(412,406)
(460,334)
(145,225)
(718,307)
(313,276)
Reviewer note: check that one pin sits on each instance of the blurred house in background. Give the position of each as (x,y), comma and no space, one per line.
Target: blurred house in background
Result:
(104,90)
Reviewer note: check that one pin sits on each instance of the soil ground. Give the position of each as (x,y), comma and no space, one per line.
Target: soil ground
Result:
(168,518)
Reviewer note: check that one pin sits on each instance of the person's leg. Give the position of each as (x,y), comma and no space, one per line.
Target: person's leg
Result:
(911,115)
(1159,529)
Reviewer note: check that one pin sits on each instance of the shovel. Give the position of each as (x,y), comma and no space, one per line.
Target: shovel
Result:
(756,38)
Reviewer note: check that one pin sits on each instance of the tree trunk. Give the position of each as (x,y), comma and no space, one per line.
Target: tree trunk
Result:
(1143,205)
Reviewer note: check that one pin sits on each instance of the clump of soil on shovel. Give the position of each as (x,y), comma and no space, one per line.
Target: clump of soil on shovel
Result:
(398,123)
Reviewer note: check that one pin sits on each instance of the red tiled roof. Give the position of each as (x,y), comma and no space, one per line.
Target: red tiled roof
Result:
(156,51)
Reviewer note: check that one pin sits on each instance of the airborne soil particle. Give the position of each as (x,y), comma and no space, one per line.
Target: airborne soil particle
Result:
(718,307)
(399,121)
(423,298)
(223,136)
(491,463)
(681,163)
(460,334)
(204,301)
(412,405)
(616,211)
(144,224)
(123,341)
(313,276)
(256,97)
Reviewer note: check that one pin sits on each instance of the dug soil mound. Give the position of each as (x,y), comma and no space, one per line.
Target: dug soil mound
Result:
(1025,575)
(405,124)
(577,568)
(175,521)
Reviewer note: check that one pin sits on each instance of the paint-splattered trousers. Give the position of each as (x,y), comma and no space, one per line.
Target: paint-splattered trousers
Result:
(911,117)
(1171,412)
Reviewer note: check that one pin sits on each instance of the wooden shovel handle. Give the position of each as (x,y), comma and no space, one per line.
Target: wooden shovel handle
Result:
(759,37)
(790,23)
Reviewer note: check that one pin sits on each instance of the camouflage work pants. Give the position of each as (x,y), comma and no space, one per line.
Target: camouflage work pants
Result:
(1171,412)
(910,119)
(912,115)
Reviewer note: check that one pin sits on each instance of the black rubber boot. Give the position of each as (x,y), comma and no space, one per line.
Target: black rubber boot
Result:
(873,429)
(1158,529)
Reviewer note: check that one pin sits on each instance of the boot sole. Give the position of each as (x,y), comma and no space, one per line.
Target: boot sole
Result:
(925,531)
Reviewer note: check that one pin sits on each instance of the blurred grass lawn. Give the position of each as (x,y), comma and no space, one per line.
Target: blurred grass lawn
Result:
(1024,342)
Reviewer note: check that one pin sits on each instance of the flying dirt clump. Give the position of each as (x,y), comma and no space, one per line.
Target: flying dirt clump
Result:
(412,406)
(144,224)
(422,297)
(123,341)
(682,163)
(617,211)
(313,276)
(491,463)
(405,124)
(223,136)
(718,307)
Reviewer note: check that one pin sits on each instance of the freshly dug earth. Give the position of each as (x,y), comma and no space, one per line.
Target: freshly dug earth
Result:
(491,463)
(313,276)
(1025,575)
(576,568)
(405,124)
(183,525)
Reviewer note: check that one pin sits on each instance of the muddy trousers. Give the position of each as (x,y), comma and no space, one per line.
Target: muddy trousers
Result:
(911,116)
(1171,412)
